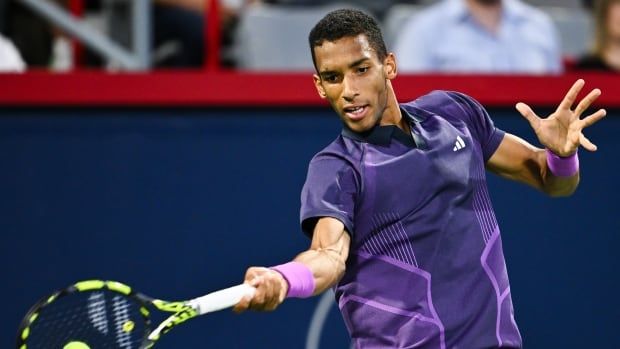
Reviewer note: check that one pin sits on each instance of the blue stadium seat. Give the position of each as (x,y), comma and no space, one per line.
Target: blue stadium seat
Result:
(275,37)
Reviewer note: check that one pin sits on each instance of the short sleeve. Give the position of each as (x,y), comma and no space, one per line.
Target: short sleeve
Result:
(330,191)
(479,124)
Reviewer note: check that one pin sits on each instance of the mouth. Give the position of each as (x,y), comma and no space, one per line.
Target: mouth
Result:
(356,113)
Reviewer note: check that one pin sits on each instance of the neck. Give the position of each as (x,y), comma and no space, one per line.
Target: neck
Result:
(611,54)
(613,44)
(487,13)
(392,114)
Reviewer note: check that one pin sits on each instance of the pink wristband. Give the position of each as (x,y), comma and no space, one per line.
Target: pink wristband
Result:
(299,278)
(562,167)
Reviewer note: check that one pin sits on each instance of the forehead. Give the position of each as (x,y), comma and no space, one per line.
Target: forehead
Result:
(342,52)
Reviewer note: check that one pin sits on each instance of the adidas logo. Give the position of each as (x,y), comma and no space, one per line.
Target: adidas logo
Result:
(459,144)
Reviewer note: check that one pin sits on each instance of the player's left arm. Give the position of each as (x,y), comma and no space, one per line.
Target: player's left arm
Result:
(561,133)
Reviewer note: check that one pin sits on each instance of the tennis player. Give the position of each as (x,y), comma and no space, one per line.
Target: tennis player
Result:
(397,205)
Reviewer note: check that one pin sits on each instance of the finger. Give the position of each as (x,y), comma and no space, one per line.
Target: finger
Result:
(251,279)
(255,281)
(276,281)
(585,142)
(247,301)
(586,101)
(257,302)
(278,293)
(593,118)
(571,95)
(269,291)
(272,303)
(528,114)
(243,304)
(251,273)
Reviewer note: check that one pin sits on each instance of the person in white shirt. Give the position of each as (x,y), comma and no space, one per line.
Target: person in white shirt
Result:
(10,59)
(480,36)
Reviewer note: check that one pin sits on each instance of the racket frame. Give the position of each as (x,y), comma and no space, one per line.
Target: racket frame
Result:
(83,286)
(182,310)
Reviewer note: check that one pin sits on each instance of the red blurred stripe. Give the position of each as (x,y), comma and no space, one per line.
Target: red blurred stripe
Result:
(227,88)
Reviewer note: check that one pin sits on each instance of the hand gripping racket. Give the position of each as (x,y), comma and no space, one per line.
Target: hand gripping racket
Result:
(96,314)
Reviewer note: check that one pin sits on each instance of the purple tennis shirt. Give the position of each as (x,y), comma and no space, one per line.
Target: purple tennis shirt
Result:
(426,267)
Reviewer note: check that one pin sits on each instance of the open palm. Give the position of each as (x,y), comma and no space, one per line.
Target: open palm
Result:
(562,131)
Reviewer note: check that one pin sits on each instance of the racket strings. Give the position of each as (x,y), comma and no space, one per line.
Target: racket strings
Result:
(101,319)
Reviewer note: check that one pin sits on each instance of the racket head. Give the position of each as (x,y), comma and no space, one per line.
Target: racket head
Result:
(92,314)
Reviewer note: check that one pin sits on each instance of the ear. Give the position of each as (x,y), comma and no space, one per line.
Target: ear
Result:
(389,66)
(319,87)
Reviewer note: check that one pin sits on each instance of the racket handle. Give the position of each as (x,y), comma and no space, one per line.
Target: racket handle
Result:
(221,299)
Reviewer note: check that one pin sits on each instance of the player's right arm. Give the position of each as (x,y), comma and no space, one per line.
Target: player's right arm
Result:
(325,258)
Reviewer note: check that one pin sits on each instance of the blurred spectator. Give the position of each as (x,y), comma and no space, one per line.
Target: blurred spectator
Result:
(10,59)
(377,7)
(490,36)
(32,36)
(605,54)
(588,4)
(179,30)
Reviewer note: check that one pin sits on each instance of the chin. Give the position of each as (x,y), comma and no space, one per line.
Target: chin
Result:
(362,125)
(359,127)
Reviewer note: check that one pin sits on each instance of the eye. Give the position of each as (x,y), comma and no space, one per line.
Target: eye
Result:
(362,70)
(331,78)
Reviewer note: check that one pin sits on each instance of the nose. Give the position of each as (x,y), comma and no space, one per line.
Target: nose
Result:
(349,88)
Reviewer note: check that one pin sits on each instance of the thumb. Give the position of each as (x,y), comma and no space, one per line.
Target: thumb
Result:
(527,113)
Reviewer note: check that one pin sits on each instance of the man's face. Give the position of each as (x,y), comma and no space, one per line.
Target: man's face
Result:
(354,81)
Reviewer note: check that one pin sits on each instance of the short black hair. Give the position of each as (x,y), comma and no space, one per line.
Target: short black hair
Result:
(344,23)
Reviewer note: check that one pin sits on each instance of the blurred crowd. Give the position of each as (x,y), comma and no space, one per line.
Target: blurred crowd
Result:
(455,36)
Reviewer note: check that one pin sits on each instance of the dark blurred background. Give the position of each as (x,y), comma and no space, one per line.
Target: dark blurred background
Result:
(164,144)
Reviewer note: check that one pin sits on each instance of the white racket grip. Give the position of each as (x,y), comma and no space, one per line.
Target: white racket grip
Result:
(221,299)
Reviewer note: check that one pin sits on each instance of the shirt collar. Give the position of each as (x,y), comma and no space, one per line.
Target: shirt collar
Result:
(456,10)
(382,135)
(512,9)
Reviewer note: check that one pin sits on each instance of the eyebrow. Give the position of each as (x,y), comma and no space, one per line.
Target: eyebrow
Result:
(352,65)
(358,62)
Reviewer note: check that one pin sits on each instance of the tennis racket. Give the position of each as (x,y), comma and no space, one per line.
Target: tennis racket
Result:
(96,314)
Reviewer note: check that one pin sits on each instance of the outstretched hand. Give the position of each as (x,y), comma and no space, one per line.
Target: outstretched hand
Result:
(561,132)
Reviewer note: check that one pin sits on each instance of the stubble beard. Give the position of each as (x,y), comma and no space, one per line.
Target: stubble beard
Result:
(381,111)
